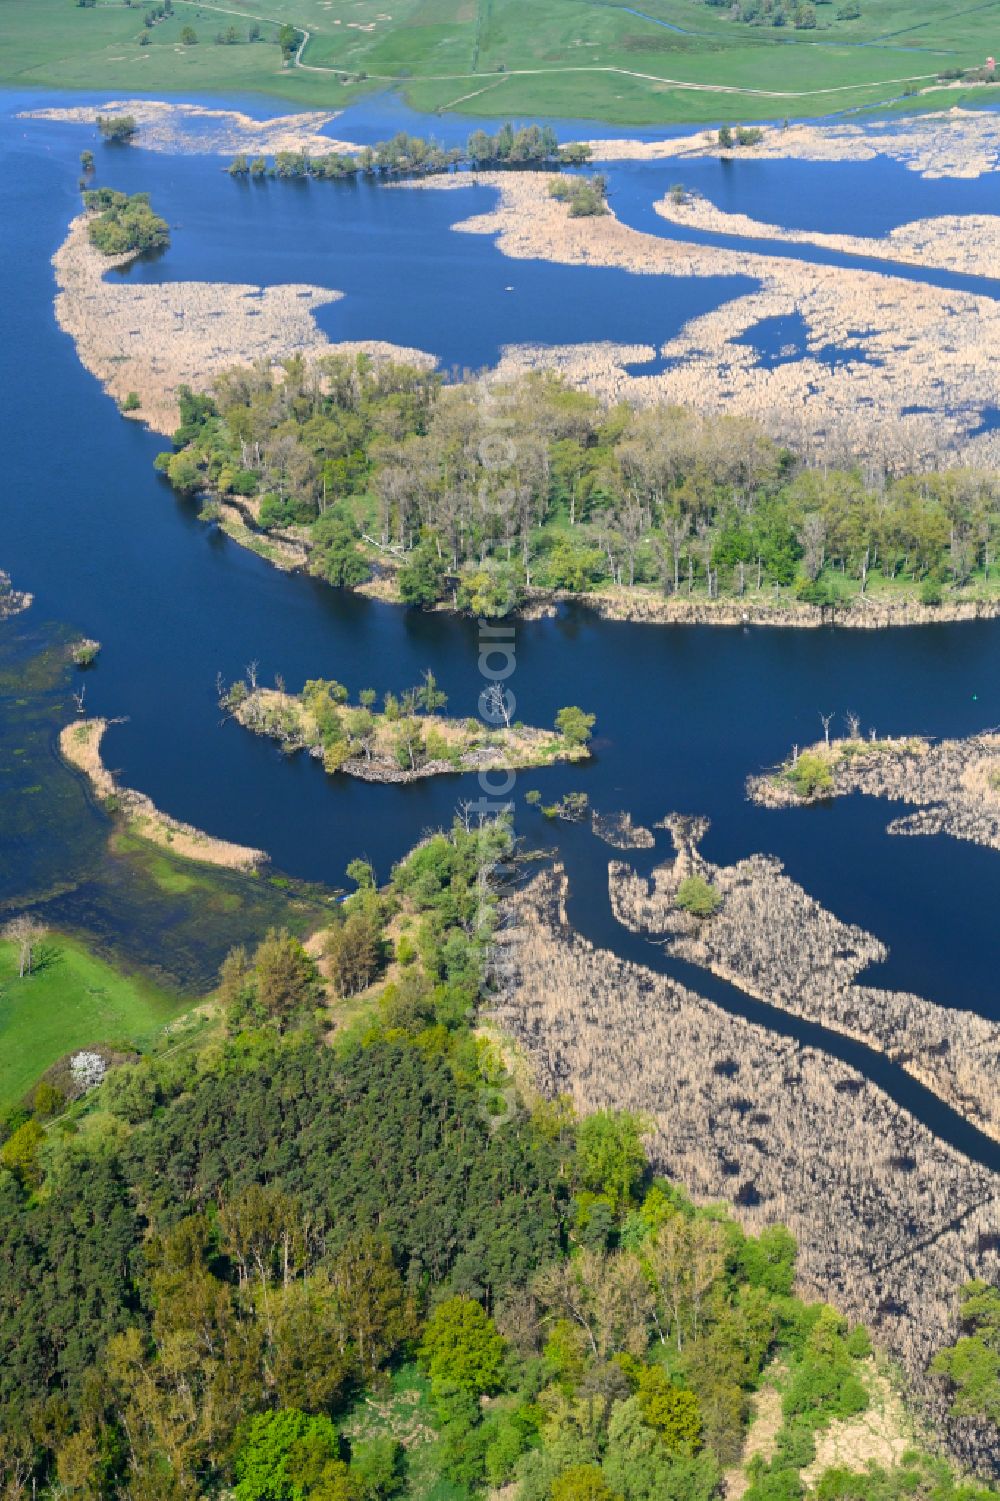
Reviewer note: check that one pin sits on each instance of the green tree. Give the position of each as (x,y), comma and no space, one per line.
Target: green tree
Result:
(423,576)
(285,975)
(582,1483)
(189,37)
(575,726)
(669,1410)
(461,1347)
(698,897)
(810,776)
(19,1153)
(971,1367)
(281,1455)
(610,1155)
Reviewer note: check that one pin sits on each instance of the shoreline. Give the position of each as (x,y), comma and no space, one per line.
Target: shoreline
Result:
(80,747)
(12,601)
(151,338)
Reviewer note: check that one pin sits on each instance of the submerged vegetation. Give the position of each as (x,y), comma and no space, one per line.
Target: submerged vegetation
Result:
(270,1250)
(481,490)
(123,222)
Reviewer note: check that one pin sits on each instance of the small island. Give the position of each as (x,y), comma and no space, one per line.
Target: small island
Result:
(954,785)
(12,601)
(409,737)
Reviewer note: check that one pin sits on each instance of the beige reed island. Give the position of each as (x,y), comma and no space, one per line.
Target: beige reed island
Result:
(752,925)
(954,784)
(80,746)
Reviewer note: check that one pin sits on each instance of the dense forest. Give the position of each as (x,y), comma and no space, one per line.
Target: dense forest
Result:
(475,491)
(332,1251)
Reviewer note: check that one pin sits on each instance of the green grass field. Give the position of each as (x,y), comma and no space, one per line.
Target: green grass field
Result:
(586,58)
(73,999)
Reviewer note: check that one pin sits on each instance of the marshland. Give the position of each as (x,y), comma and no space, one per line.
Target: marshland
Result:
(820,1047)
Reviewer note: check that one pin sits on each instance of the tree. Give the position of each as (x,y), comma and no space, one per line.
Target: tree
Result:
(422,577)
(189,36)
(575,726)
(610,1155)
(19,1153)
(117,128)
(285,975)
(698,897)
(582,1483)
(810,775)
(462,1347)
(26,933)
(281,1455)
(354,953)
(408,745)
(374,1310)
(971,1366)
(670,1411)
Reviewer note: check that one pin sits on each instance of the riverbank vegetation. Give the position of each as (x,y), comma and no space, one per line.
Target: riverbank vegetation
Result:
(123,222)
(374,1268)
(409,737)
(479,492)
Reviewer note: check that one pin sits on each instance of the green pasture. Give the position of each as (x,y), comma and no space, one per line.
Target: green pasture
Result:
(585,58)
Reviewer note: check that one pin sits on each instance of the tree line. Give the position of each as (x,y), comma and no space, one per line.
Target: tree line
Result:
(483,488)
(525,146)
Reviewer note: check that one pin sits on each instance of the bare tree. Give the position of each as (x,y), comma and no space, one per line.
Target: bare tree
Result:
(26,932)
(497,704)
(853,726)
(827,721)
(251,671)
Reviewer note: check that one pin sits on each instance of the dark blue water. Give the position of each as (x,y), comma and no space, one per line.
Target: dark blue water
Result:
(683,714)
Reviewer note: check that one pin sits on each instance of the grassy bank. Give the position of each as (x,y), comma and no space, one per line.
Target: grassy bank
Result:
(574,57)
(71,1000)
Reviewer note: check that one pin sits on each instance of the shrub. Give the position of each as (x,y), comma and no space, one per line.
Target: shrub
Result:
(930,592)
(698,897)
(810,776)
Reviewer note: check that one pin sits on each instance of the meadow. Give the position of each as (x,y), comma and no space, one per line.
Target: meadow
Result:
(71,1000)
(676,61)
